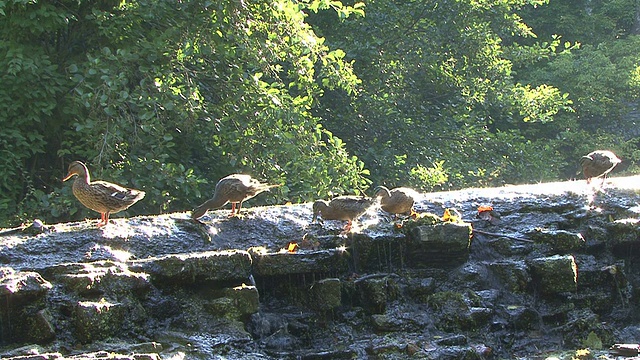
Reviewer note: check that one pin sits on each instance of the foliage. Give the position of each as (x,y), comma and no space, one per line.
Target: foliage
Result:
(319,96)
(585,21)
(31,88)
(599,79)
(169,97)
(436,92)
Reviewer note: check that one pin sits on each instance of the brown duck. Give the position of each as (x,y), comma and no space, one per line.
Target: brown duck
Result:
(396,201)
(101,196)
(234,189)
(342,208)
(598,164)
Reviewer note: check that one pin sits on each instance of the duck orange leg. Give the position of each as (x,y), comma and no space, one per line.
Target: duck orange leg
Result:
(233,209)
(347,227)
(104,219)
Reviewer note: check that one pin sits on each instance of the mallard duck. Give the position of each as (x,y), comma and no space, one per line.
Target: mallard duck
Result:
(234,189)
(342,208)
(598,164)
(101,196)
(396,201)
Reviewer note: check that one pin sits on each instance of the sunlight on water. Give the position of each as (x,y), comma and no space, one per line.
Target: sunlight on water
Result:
(118,229)
(177,356)
(578,187)
(105,251)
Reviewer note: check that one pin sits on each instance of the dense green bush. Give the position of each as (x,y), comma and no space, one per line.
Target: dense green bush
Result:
(171,96)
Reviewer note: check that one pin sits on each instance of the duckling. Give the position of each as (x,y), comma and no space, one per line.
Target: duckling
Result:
(234,189)
(342,208)
(396,201)
(100,196)
(598,164)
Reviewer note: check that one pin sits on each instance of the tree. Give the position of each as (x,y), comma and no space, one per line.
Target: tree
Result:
(438,93)
(171,96)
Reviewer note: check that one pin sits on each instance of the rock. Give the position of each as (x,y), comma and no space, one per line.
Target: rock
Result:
(325,294)
(374,293)
(197,267)
(440,245)
(514,275)
(98,320)
(624,236)
(420,289)
(100,277)
(386,290)
(274,264)
(18,285)
(382,322)
(45,356)
(235,303)
(453,340)
(522,317)
(562,241)
(26,351)
(454,352)
(41,325)
(555,274)
(23,314)
(452,311)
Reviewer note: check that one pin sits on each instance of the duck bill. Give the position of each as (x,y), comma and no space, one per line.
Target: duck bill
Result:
(68,177)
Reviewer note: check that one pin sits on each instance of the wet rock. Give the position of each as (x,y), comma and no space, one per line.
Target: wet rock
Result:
(453,340)
(420,289)
(453,353)
(197,267)
(386,348)
(374,293)
(87,279)
(555,311)
(98,320)
(325,294)
(453,313)
(480,315)
(42,327)
(561,241)
(596,237)
(522,317)
(24,351)
(599,274)
(509,247)
(18,285)
(263,325)
(474,274)
(45,356)
(112,356)
(425,290)
(624,236)
(337,354)
(23,317)
(583,325)
(555,274)
(377,252)
(512,274)
(383,322)
(445,244)
(140,348)
(235,303)
(281,263)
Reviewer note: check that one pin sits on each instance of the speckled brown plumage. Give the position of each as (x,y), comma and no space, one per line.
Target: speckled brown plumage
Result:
(598,164)
(101,196)
(346,208)
(396,201)
(234,189)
